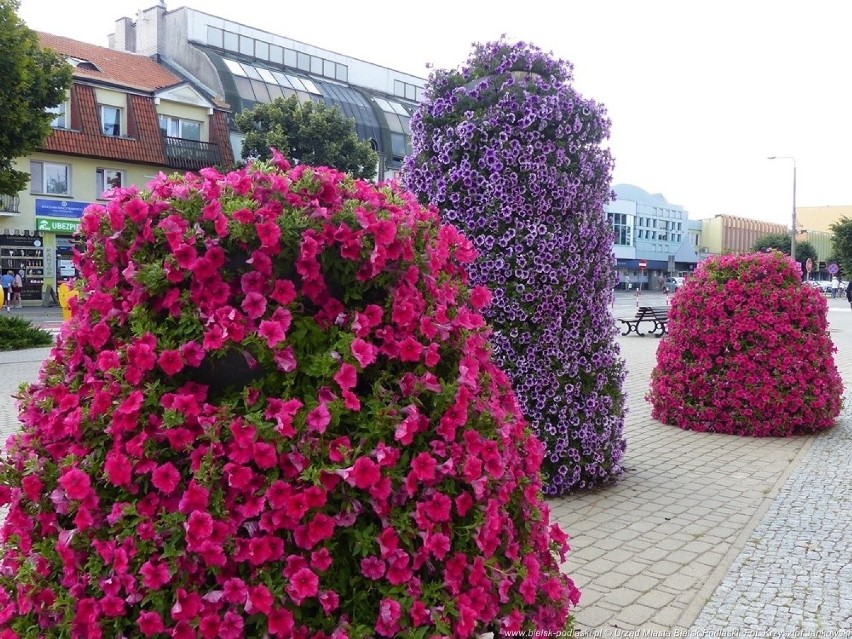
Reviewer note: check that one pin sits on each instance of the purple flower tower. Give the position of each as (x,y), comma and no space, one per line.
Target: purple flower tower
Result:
(511,154)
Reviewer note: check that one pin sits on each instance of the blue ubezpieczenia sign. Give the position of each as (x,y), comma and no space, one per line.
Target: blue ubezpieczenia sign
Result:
(60,208)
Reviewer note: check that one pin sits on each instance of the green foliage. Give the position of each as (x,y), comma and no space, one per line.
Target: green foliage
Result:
(309,133)
(781,242)
(841,243)
(34,79)
(805,250)
(777,241)
(17,333)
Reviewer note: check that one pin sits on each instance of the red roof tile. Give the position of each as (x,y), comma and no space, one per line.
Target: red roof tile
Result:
(130,70)
(86,138)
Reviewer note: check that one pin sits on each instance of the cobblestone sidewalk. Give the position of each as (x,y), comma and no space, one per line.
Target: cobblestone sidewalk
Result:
(767,521)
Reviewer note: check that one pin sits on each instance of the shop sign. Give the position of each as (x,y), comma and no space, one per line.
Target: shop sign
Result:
(47,225)
(60,208)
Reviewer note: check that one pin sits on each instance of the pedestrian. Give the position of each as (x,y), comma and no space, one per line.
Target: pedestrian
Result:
(7,279)
(17,288)
(849,292)
(627,284)
(835,284)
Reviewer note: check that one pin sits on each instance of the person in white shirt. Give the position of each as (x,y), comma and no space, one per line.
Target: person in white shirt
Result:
(835,285)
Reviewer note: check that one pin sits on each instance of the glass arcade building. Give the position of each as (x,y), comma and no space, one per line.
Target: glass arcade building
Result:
(245,66)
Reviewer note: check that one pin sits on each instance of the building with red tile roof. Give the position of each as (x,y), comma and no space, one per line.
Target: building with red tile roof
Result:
(127,118)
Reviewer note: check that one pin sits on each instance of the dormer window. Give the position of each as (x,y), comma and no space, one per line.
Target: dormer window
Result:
(180,128)
(62,119)
(111,120)
(80,63)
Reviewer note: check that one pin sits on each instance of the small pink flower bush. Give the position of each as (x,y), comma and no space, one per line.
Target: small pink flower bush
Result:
(274,413)
(747,352)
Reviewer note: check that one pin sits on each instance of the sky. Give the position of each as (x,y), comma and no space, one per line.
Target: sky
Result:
(699,92)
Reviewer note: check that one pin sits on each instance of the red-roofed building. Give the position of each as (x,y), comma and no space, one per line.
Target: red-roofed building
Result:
(126,118)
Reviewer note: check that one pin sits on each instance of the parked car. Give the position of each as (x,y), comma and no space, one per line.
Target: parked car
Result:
(673,283)
(825,286)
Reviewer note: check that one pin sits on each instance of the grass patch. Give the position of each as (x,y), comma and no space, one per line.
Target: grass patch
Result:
(17,333)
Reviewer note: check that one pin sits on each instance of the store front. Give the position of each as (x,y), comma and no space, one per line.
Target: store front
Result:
(24,252)
(57,221)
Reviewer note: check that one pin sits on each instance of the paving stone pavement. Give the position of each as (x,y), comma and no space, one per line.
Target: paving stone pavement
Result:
(764,520)
(708,534)
(794,574)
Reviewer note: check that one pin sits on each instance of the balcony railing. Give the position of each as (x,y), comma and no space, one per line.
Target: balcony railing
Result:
(9,205)
(191,155)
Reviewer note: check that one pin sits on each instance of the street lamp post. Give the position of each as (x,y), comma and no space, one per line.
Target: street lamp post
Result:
(793,233)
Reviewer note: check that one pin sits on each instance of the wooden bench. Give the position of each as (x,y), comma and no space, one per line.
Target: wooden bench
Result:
(659,315)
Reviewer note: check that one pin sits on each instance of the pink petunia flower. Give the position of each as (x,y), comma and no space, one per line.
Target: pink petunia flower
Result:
(166,478)
(318,419)
(364,352)
(254,305)
(364,473)
(387,623)
(423,466)
(346,377)
(272,332)
(150,623)
(75,483)
(259,600)
(303,584)
(117,468)
(234,590)
(280,623)
(155,574)
(171,361)
(373,568)
(410,350)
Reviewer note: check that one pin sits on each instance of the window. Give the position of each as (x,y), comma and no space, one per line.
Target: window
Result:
(621,229)
(303,61)
(406,90)
(267,76)
(234,67)
(180,128)
(111,120)
(231,41)
(247,46)
(400,145)
(215,37)
(50,179)
(62,119)
(107,180)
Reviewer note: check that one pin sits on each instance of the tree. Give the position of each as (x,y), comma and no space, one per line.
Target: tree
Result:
(306,133)
(34,79)
(841,243)
(781,242)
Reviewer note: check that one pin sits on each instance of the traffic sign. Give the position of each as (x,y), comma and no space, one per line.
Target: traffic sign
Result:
(642,263)
(833,268)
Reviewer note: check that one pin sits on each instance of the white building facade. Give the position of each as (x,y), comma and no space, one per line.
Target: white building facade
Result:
(245,66)
(651,238)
